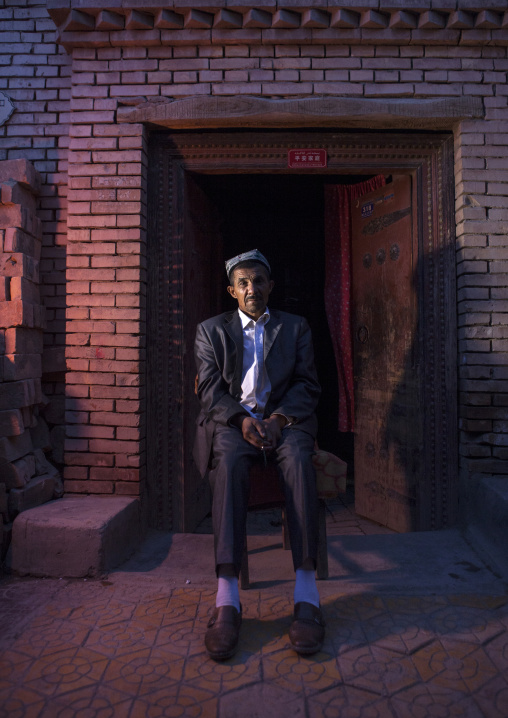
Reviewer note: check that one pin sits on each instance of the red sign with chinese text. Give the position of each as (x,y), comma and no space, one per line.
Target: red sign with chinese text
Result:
(298,159)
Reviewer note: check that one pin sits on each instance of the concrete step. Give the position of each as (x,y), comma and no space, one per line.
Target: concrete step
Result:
(75,536)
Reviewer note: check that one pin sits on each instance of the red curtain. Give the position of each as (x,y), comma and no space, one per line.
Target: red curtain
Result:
(338,200)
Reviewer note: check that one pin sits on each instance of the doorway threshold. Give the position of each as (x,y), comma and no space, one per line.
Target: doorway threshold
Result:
(341,520)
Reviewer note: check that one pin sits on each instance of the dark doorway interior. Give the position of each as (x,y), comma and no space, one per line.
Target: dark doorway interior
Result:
(283,216)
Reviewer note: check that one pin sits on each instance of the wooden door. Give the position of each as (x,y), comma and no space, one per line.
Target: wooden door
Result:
(388,426)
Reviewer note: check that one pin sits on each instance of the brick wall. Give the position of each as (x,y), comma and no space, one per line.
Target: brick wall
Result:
(432,55)
(35,74)
(482,270)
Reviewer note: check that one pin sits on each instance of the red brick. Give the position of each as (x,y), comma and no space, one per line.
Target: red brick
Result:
(86,248)
(105,446)
(90,432)
(115,340)
(116,261)
(21,366)
(88,459)
(115,287)
(77,390)
(91,274)
(89,326)
(116,207)
(115,313)
(22,288)
(75,472)
(100,365)
(86,301)
(20,340)
(76,261)
(90,378)
(114,418)
(131,460)
(90,404)
(127,327)
(81,288)
(127,489)
(115,392)
(16,314)
(130,434)
(90,352)
(131,379)
(78,338)
(77,365)
(115,474)
(11,423)
(129,354)
(128,406)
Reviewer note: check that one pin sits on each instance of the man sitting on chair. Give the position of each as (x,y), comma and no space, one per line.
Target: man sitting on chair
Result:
(258,390)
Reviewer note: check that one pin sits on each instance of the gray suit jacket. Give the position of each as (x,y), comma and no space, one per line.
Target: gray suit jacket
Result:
(289,362)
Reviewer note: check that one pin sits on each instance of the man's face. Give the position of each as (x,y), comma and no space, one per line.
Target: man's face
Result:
(251,288)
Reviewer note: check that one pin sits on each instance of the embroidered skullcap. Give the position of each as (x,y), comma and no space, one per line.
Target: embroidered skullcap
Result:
(254,255)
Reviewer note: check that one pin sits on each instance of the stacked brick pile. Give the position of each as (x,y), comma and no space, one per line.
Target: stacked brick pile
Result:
(27,479)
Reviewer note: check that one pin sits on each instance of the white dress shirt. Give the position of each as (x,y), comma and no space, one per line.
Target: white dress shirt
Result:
(256,385)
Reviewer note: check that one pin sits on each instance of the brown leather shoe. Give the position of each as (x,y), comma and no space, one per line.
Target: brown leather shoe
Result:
(221,639)
(307,631)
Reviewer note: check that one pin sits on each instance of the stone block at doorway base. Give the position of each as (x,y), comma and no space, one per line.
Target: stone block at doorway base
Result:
(487,528)
(75,537)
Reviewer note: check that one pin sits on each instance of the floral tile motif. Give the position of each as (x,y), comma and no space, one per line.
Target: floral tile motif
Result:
(152,612)
(301,674)
(377,669)
(95,700)
(66,671)
(455,665)
(144,671)
(102,612)
(401,632)
(181,637)
(21,702)
(492,697)
(47,635)
(348,702)
(176,700)
(118,639)
(202,672)
(344,634)
(425,700)
(261,699)
(464,623)
(264,636)
(357,608)
(497,651)
(96,649)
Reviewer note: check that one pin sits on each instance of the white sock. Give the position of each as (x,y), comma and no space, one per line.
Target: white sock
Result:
(305,587)
(227,592)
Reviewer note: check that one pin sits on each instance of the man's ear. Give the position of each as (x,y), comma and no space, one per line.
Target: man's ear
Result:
(231,290)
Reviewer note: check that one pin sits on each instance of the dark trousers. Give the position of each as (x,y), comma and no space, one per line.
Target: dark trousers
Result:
(229,478)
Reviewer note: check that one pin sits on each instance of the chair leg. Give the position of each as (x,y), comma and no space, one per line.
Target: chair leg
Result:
(322,555)
(286,544)
(244,568)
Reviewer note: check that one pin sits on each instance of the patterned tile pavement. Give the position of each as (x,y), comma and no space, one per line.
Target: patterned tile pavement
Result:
(94,649)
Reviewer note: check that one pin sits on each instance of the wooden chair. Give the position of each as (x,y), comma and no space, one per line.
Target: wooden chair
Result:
(266,491)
